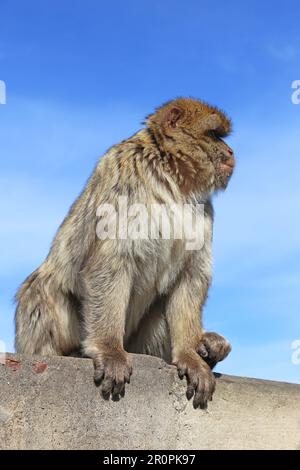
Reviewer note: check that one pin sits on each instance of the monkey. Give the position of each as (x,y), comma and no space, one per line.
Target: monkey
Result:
(111,297)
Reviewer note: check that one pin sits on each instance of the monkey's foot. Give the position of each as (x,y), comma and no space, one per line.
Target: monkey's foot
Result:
(200,379)
(213,348)
(113,369)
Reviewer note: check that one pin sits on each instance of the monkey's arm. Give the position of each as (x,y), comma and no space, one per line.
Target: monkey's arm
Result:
(107,285)
(183,307)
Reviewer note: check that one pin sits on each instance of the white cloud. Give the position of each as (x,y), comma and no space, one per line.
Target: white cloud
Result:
(284,53)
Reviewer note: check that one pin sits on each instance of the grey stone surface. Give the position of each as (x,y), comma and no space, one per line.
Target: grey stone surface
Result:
(52,403)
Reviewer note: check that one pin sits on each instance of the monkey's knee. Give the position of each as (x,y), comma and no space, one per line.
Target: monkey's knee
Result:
(213,348)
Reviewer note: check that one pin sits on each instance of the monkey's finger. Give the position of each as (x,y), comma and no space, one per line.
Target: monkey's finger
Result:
(190,391)
(202,351)
(127,378)
(107,386)
(181,372)
(226,350)
(191,387)
(200,398)
(205,391)
(118,389)
(98,375)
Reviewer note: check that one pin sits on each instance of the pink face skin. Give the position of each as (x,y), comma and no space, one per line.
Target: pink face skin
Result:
(228,164)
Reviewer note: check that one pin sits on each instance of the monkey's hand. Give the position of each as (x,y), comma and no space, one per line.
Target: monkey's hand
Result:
(113,369)
(213,348)
(200,380)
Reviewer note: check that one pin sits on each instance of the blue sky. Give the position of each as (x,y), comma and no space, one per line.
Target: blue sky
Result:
(83,74)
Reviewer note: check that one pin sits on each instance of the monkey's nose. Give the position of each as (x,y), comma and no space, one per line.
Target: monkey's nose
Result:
(228,149)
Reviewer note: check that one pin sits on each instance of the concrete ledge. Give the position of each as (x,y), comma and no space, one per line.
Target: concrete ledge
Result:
(52,403)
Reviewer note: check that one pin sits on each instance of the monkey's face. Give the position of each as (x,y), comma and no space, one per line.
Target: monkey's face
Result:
(193,131)
(221,157)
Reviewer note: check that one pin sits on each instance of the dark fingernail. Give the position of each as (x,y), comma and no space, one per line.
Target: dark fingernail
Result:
(97,381)
(195,405)
(105,394)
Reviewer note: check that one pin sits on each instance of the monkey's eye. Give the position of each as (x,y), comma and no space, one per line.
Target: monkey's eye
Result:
(215,135)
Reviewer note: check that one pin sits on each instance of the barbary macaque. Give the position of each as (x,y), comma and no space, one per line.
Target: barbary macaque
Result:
(112,296)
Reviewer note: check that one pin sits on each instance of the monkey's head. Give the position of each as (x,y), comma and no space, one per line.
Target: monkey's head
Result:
(193,131)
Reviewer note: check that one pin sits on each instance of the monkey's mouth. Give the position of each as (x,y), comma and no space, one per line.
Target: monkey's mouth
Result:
(227,168)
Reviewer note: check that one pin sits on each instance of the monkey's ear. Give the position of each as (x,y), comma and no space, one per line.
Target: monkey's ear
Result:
(173,115)
(211,123)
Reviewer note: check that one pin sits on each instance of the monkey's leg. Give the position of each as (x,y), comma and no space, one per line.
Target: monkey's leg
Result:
(152,336)
(46,318)
(182,310)
(107,288)
(213,348)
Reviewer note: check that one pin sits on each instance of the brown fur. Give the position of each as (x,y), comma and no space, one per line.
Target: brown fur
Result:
(112,297)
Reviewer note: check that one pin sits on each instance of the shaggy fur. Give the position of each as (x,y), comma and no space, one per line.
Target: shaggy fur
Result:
(112,297)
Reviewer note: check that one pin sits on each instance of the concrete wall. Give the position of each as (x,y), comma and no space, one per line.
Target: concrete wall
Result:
(53,404)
